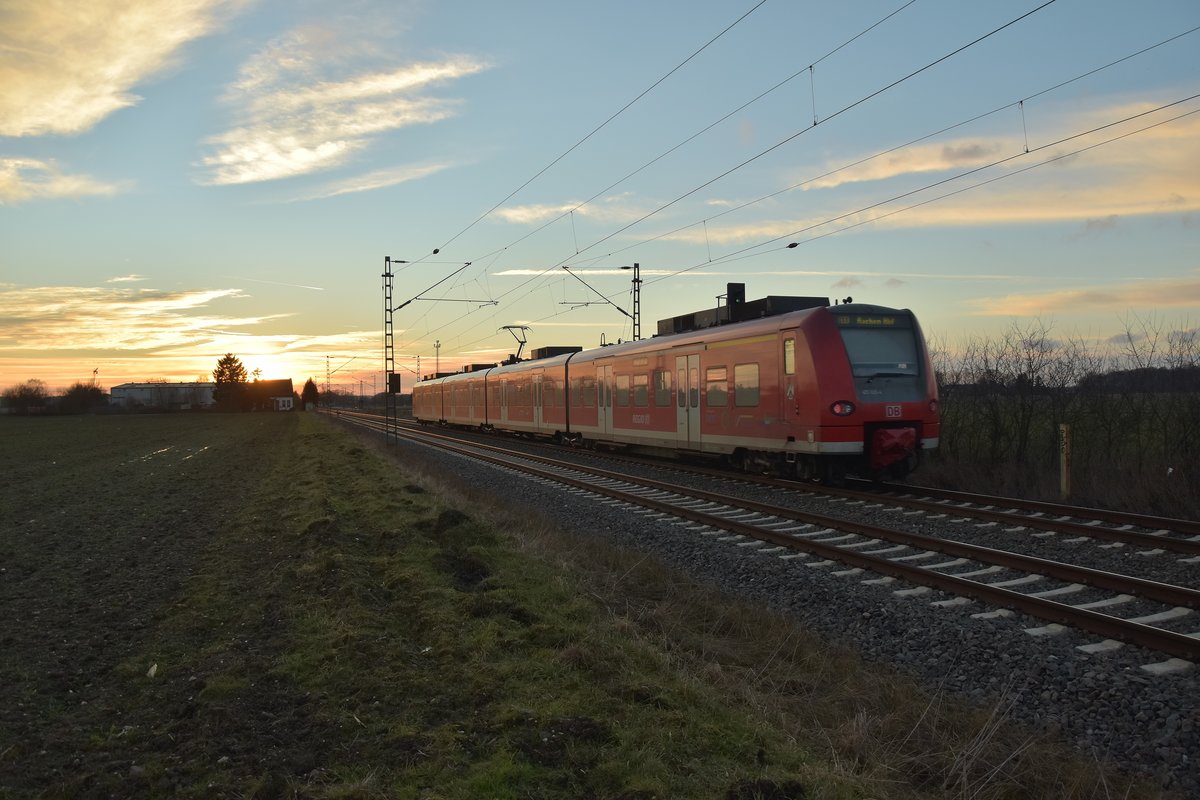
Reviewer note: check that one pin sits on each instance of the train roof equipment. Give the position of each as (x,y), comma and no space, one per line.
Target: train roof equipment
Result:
(736,309)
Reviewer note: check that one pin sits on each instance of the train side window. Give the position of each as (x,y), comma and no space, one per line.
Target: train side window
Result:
(641,390)
(716,387)
(681,388)
(694,387)
(789,356)
(622,390)
(589,392)
(745,384)
(662,387)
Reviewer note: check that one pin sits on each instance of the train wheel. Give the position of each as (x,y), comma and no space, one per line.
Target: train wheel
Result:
(807,469)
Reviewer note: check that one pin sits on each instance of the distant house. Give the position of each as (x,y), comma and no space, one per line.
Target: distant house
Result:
(163,396)
(272,395)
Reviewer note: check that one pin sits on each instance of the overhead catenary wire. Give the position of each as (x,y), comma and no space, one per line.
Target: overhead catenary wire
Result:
(785,141)
(605,123)
(909,143)
(741,253)
(597,129)
(700,132)
(966,173)
(835,114)
(747,252)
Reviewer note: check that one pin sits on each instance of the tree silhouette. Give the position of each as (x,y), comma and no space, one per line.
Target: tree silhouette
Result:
(81,397)
(230,377)
(310,395)
(26,397)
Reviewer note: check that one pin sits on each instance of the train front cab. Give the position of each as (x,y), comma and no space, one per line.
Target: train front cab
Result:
(891,406)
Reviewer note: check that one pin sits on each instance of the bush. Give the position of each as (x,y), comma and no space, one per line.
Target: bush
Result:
(1133,409)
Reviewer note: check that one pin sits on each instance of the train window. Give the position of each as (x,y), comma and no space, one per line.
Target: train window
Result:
(876,352)
(745,384)
(789,356)
(622,390)
(641,390)
(716,387)
(662,387)
(694,387)
(681,389)
(589,392)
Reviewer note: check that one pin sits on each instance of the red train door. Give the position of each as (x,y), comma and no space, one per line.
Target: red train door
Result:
(604,390)
(537,400)
(687,400)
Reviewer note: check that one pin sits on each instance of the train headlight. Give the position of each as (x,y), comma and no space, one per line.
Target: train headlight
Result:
(842,408)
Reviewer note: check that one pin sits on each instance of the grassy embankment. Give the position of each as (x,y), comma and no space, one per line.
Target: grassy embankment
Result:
(267,606)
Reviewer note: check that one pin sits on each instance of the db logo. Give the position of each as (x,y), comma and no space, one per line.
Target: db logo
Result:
(892,411)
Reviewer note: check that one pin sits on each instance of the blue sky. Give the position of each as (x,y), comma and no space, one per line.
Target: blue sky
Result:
(183,179)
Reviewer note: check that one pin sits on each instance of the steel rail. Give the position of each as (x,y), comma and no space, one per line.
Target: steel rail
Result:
(1185,526)
(1184,546)
(1189,547)
(1164,641)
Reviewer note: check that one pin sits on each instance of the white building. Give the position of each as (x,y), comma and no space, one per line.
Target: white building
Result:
(166,396)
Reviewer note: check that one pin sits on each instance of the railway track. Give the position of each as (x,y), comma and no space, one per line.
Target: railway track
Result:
(1155,533)
(1005,580)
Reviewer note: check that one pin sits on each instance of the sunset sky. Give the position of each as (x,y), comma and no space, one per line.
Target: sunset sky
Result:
(184,178)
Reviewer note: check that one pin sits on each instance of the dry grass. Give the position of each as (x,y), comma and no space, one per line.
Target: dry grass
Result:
(873,727)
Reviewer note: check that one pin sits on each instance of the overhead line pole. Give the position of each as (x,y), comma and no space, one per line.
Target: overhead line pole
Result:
(392,380)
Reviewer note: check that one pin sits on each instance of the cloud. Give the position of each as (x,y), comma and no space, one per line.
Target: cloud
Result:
(1181,292)
(616,209)
(294,119)
(24,179)
(1150,173)
(380,179)
(135,334)
(66,66)
(1102,224)
(110,318)
(126,279)
(921,158)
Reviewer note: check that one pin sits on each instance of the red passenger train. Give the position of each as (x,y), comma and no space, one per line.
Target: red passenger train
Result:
(814,393)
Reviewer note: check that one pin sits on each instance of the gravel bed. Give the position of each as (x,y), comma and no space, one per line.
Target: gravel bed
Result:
(1104,703)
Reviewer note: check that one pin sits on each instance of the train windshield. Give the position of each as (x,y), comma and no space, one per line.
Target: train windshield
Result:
(880,345)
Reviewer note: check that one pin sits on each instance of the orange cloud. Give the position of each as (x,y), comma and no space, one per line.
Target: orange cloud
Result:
(66,66)
(1182,292)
